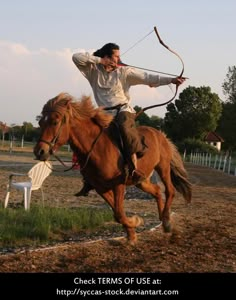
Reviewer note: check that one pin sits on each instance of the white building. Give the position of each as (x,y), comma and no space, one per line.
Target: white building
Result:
(213,139)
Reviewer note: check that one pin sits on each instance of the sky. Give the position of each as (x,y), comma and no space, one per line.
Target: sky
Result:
(38,39)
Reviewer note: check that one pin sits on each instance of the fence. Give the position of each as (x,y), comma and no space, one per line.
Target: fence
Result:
(222,162)
(17,146)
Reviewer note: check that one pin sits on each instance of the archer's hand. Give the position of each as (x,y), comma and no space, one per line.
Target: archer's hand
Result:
(178,80)
(109,63)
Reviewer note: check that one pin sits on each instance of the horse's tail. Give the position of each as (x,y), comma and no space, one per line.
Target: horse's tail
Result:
(179,174)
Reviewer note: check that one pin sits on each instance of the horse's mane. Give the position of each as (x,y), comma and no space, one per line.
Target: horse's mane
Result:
(78,108)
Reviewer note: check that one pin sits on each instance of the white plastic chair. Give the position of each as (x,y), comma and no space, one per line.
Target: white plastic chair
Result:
(37,174)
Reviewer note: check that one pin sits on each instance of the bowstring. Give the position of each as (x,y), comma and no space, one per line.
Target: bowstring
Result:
(160,40)
(167,47)
(139,41)
(170,87)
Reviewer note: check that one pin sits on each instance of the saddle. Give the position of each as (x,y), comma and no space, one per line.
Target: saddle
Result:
(116,138)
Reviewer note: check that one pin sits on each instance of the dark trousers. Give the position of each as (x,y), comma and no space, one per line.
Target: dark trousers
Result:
(131,138)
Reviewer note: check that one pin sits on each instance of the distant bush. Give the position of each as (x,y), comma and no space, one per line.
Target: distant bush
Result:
(194,145)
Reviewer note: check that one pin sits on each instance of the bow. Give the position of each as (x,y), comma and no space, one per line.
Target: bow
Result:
(180,75)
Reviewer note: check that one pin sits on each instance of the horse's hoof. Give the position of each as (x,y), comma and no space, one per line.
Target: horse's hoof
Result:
(167,226)
(132,242)
(139,221)
(79,194)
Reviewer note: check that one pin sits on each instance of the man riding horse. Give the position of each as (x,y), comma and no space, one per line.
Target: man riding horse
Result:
(110,82)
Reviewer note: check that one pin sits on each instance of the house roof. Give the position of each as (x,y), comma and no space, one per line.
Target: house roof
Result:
(212,137)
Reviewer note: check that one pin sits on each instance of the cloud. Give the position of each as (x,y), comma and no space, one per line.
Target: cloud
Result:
(14,48)
(28,78)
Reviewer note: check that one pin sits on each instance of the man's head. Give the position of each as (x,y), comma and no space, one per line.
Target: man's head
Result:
(111,51)
(107,50)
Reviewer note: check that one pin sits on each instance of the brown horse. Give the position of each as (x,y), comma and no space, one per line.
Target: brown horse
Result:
(88,131)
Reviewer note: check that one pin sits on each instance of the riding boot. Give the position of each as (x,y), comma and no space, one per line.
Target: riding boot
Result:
(137,176)
(86,188)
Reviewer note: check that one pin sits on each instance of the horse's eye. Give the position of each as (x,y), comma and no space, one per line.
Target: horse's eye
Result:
(42,120)
(55,122)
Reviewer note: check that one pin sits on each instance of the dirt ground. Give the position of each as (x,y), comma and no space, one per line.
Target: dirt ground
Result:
(202,240)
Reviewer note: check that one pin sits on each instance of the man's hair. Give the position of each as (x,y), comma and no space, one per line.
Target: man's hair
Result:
(106,50)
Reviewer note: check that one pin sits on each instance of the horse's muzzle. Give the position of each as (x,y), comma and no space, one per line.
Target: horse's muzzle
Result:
(41,153)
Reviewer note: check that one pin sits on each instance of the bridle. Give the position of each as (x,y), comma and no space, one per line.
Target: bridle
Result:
(52,144)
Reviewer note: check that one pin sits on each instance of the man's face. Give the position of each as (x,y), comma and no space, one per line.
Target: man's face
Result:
(116,56)
(112,61)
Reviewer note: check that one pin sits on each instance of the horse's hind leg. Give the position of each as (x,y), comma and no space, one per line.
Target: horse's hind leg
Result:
(155,191)
(164,173)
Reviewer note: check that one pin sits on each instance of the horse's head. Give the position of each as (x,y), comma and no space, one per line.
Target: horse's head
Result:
(64,119)
(54,126)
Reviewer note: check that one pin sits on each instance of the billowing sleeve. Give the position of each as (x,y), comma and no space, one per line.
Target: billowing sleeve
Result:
(85,61)
(135,77)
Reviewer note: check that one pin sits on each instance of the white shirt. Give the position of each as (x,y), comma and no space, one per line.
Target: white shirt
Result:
(112,88)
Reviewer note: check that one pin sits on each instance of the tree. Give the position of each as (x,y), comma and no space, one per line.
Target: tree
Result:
(144,119)
(196,112)
(229,85)
(27,131)
(156,122)
(227,124)
(3,129)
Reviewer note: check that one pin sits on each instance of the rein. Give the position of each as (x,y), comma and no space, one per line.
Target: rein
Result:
(55,138)
(53,142)
(117,107)
(91,149)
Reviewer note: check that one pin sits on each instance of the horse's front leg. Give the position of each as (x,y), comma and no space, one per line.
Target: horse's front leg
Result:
(129,223)
(115,198)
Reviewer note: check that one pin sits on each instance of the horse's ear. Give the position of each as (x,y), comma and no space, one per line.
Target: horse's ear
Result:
(68,101)
(68,106)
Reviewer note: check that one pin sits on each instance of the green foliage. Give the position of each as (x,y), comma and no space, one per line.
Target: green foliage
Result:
(156,122)
(145,120)
(27,132)
(227,126)
(196,112)
(229,85)
(18,226)
(194,145)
